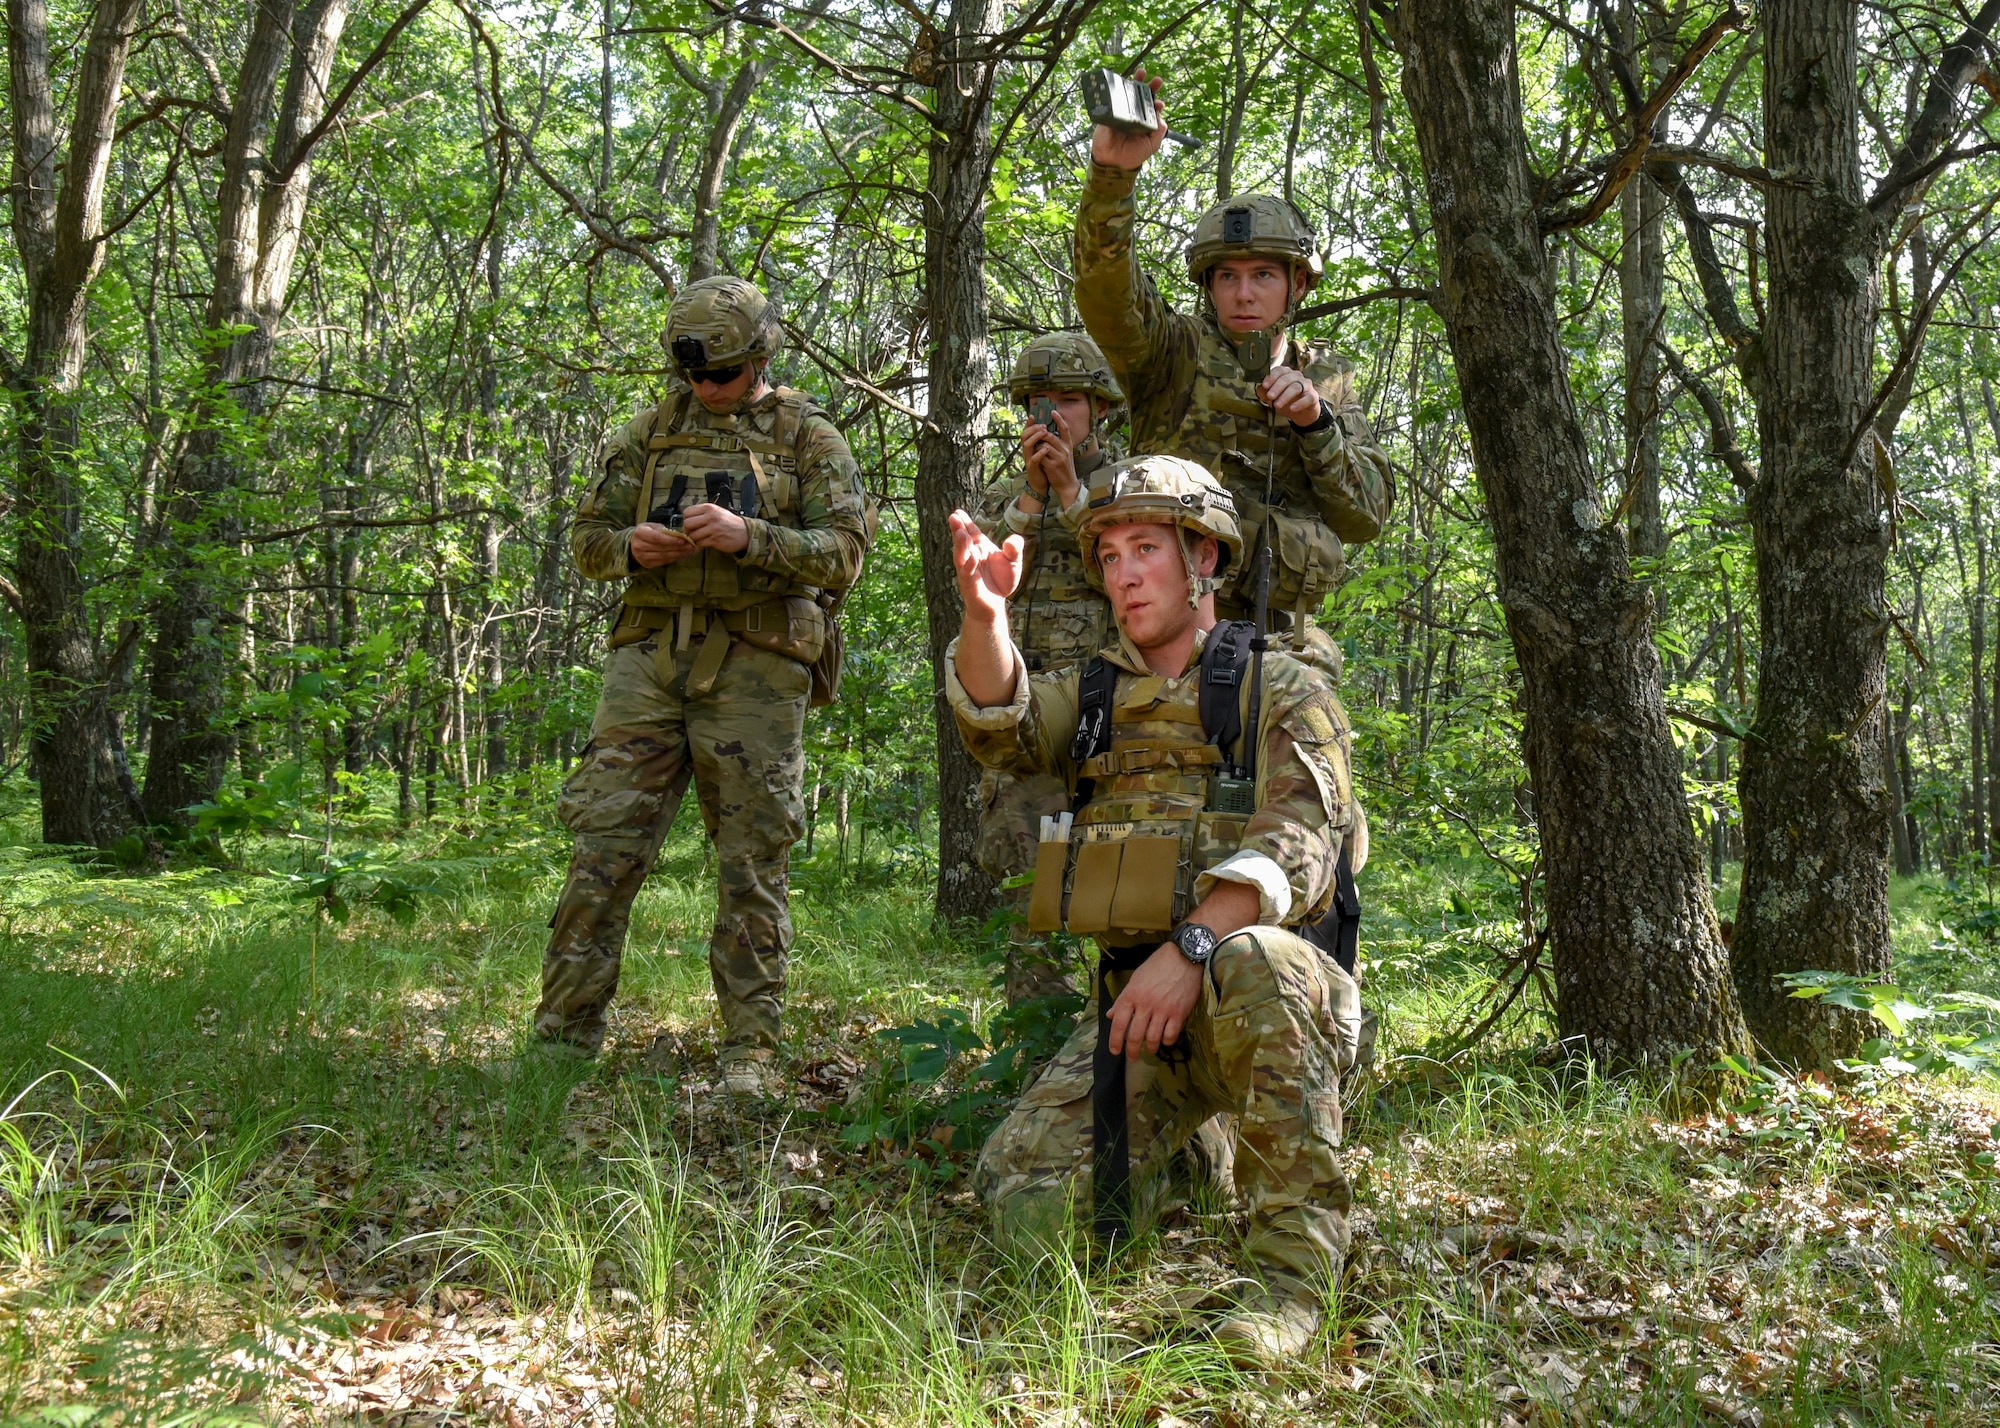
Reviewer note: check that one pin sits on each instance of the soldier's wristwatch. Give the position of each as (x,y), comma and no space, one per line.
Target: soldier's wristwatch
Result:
(1197,943)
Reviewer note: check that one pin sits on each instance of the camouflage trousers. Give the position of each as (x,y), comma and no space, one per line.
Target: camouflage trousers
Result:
(740,742)
(1274,1031)
(1010,825)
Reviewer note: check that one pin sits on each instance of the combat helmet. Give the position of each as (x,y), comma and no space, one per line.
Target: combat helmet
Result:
(719,322)
(1168,491)
(1062,362)
(1257,225)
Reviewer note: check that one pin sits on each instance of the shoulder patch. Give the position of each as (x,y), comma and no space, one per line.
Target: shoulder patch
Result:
(1316,720)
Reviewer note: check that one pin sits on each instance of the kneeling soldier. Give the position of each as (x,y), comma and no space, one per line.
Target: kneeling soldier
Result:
(733,512)
(1211,802)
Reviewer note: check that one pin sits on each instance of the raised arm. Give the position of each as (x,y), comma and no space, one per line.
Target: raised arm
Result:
(987,574)
(1120,307)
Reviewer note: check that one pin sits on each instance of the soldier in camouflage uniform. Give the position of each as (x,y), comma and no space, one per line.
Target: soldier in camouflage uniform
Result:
(733,511)
(1292,446)
(1058,616)
(1220,1006)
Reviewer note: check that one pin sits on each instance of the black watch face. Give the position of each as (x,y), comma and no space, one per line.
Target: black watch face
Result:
(1196,942)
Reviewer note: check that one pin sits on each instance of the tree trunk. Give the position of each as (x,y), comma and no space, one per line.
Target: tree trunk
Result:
(951,448)
(1815,812)
(1899,802)
(1977,621)
(726,113)
(58,205)
(257,234)
(1906,768)
(1642,267)
(1232,124)
(1993,701)
(1641,974)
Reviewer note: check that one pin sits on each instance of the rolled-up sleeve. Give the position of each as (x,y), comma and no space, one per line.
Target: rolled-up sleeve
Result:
(1257,870)
(1030,733)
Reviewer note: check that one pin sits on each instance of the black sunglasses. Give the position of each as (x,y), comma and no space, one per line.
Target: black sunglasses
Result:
(720,376)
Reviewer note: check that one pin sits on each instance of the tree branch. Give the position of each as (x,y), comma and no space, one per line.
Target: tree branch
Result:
(806,46)
(297,158)
(1913,343)
(1631,159)
(598,228)
(1721,163)
(1717,290)
(1395,292)
(1721,438)
(1937,120)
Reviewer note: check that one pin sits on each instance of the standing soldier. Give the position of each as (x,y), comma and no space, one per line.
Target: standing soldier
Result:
(734,513)
(1275,418)
(1212,804)
(1056,614)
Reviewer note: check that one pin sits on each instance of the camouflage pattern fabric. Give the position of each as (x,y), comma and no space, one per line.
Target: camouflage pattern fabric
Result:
(741,744)
(1274,1031)
(1279,1020)
(817,544)
(1303,798)
(1189,398)
(739,740)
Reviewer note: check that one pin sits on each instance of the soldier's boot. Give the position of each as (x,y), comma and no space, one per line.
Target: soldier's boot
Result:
(751,1073)
(1272,1325)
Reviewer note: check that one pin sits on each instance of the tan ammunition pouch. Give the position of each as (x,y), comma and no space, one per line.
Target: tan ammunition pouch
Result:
(792,626)
(1128,871)
(1308,562)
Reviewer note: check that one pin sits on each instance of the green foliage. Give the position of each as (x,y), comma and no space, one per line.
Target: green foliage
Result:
(1976,1052)
(928,1086)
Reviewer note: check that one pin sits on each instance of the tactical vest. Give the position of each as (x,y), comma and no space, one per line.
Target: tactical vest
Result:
(1226,428)
(694,457)
(1057,615)
(1159,800)
(1166,785)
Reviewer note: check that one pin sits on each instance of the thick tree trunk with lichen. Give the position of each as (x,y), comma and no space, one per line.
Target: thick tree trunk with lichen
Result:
(1641,975)
(1816,807)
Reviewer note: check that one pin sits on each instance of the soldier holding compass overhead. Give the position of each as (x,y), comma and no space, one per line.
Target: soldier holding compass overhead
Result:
(1274,417)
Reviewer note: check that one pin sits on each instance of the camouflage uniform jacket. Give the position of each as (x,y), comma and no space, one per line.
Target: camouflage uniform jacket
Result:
(816,543)
(1058,616)
(1189,398)
(1288,848)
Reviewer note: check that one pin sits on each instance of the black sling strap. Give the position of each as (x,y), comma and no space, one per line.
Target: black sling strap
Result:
(1093,723)
(1223,660)
(1338,932)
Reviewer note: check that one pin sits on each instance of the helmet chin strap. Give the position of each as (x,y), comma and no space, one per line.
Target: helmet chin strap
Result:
(1198,585)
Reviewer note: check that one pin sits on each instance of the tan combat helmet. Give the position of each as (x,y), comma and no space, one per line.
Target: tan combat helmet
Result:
(1062,362)
(1168,491)
(1253,225)
(719,322)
